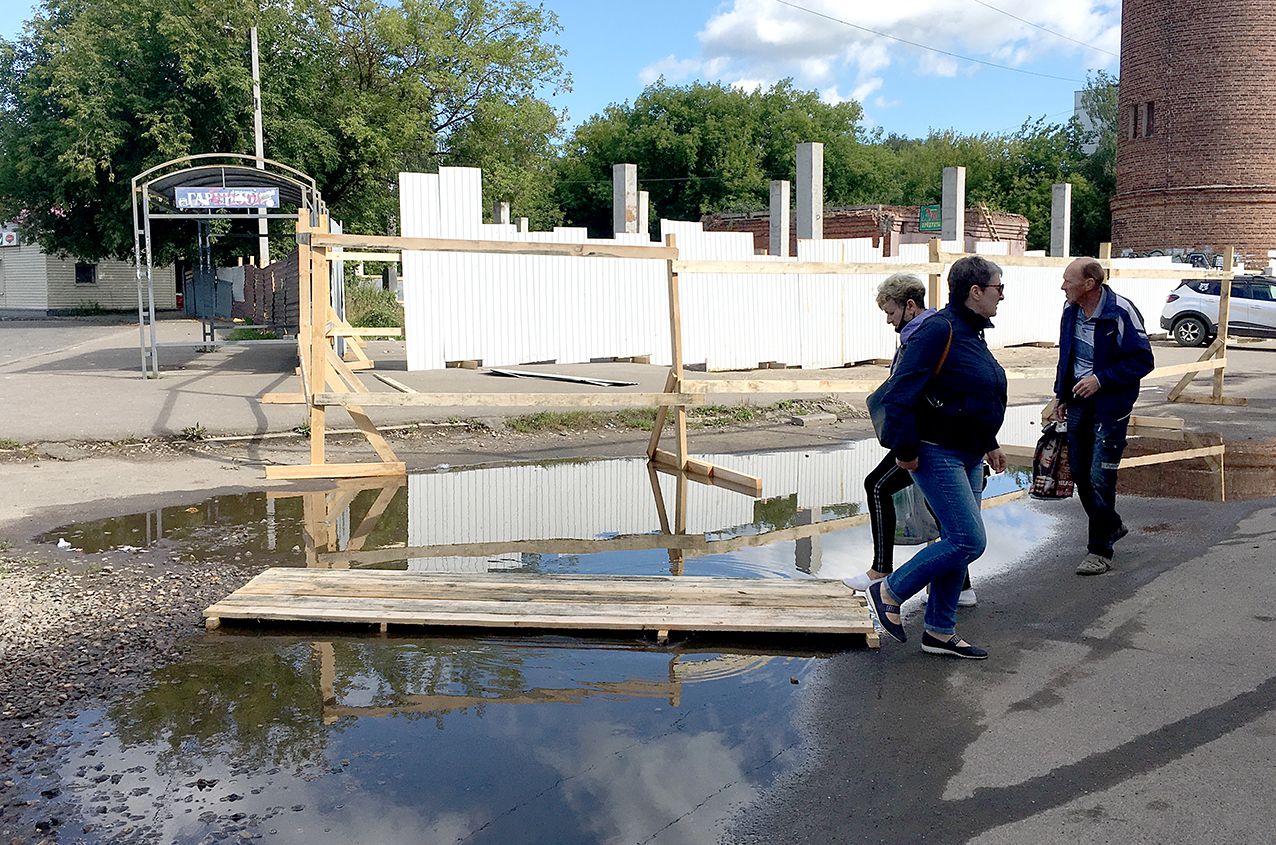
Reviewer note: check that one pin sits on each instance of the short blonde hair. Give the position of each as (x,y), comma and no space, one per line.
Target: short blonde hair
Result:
(901,287)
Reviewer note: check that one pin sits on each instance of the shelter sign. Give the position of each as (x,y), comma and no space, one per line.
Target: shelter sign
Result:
(226,197)
(930,219)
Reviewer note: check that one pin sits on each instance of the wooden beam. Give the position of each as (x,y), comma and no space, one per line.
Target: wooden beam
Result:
(365,331)
(1211,351)
(811,385)
(1167,457)
(1192,367)
(585,250)
(397,385)
(1156,422)
(796,268)
(1224,316)
(511,400)
(336,470)
(1210,400)
(283,399)
(698,470)
(657,428)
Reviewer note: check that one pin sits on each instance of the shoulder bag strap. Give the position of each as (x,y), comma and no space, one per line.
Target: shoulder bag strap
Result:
(947,346)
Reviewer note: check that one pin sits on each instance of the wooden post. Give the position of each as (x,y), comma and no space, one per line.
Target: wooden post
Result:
(317,272)
(1224,315)
(934,277)
(1105,254)
(675,369)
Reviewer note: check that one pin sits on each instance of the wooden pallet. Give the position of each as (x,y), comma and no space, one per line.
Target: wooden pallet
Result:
(579,602)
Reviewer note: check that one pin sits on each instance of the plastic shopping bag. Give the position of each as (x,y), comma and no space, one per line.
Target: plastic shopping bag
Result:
(914,523)
(1051,478)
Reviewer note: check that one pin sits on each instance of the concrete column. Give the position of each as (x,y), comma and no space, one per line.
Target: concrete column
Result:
(953,208)
(810,191)
(624,198)
(644,203)
(523,225)
(1061,220)
(779,240)
(808,551)
(501,212)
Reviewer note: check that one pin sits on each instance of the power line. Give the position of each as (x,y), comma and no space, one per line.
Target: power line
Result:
(925,47)
(1043,29)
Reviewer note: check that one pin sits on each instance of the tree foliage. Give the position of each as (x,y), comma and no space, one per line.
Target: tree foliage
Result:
(97,91)
(705,148)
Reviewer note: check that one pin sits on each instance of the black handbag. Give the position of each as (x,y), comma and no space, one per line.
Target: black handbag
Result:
(877,411)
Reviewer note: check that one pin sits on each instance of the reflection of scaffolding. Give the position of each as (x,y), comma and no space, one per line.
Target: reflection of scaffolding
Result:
(715,666)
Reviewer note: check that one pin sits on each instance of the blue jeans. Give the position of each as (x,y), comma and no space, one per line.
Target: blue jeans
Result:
(953,483)
(1094,453)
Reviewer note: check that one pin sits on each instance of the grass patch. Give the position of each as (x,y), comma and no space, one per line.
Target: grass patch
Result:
(367,306)
(6,443)
(718,416)
(628,418)
(251,334)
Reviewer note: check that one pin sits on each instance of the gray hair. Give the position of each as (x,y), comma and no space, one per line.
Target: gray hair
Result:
(901,287)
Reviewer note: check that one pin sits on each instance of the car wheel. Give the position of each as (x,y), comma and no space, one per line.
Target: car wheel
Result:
(1190,331)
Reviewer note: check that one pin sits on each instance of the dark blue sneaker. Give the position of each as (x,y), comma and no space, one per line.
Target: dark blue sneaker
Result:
(954,646)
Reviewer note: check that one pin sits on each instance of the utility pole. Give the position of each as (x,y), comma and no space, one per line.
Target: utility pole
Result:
(263,227)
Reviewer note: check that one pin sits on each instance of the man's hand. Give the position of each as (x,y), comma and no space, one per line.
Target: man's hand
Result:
(908,465)
(1060,413)
(996,459)
(1088,386)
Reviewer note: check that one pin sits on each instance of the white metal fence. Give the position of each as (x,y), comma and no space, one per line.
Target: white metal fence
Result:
(517,309)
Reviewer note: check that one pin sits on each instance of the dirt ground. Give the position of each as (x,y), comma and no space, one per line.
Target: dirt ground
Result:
(80,629)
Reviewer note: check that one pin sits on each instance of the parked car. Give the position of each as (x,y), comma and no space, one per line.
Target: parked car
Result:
(1191,310)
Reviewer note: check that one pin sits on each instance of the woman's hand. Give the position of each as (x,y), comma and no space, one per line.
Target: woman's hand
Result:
(911,466)
(996,459)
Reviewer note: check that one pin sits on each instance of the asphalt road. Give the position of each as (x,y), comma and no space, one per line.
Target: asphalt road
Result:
(1133,707)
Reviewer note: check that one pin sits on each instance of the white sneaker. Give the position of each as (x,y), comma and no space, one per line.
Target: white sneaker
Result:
(860,582)
(966,599)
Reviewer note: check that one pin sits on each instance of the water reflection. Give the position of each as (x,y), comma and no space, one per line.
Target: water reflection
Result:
(332,737)
(424,741)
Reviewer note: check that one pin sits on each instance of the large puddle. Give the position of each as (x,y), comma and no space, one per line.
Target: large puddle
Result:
(337,735)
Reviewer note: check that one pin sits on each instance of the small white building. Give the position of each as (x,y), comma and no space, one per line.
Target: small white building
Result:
(36,284)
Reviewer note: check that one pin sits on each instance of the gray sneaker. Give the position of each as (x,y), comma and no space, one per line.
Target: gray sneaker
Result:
(1093,564)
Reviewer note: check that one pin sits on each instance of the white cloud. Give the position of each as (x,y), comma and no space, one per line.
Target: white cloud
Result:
(827,44)
(671,68)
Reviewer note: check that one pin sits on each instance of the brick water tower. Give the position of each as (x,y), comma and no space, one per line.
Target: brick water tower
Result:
(1196,143)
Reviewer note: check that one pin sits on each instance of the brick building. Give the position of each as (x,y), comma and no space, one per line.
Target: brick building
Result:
(893,224)
(1196,145)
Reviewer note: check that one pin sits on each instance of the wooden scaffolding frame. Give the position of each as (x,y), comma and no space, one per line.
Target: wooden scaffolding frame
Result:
(331,380)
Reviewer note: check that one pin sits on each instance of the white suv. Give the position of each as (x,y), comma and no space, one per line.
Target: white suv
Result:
(1191,310)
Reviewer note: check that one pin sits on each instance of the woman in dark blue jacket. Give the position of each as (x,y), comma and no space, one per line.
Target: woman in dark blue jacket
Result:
(944,406)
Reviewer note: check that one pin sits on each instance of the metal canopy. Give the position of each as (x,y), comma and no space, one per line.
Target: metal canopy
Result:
(154,196)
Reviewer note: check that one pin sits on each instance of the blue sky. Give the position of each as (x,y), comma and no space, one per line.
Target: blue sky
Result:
(972,66)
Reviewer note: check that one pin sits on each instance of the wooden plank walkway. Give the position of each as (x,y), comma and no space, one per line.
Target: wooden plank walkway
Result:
(580,602)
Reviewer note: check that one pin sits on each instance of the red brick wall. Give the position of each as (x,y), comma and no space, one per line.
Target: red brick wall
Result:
(1206,176)
(874,221)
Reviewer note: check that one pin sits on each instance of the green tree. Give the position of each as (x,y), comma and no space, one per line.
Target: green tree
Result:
(1092,207)
(706,148)
(96,91)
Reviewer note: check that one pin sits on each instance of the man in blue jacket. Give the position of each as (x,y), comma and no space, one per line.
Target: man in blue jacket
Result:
(1103,353)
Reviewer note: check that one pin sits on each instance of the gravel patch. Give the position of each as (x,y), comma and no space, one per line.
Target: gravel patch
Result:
(75,632)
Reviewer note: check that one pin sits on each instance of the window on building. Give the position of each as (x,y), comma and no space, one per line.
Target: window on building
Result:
(86,274)
(1148,121)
